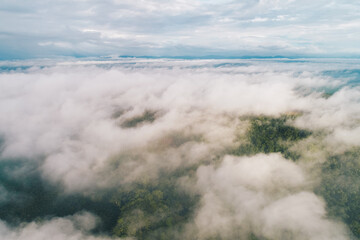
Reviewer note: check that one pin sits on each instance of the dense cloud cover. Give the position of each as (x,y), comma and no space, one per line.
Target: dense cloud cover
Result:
(43,28)
(150,148)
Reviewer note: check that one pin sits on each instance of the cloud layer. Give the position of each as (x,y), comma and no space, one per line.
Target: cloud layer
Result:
(178,28)
(89,133)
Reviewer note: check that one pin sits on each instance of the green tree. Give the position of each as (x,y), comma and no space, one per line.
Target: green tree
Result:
(152,210)
(340,187)
(268,134)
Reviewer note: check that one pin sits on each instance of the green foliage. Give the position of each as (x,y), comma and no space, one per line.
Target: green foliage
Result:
(152,210)
(340,187)
(327,95)
(268,134)
(30,198)
(146,117)
(252,236)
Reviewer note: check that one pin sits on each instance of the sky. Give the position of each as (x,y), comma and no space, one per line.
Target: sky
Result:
(194,28)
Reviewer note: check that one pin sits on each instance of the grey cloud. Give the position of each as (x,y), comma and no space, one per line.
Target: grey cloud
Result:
(161,27)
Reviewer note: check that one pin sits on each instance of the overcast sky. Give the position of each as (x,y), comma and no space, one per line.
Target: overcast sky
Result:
(51,28)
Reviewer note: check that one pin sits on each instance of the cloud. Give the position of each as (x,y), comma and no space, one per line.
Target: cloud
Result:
(301,216)
(75,227)
(65,113)
(198,28)
(265,194)
(85,131)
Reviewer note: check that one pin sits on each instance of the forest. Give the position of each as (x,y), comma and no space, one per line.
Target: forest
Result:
(161,208)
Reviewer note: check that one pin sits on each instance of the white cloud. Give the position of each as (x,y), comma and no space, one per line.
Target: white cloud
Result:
(67,118)
(64,113)
(74,227)
(262,194)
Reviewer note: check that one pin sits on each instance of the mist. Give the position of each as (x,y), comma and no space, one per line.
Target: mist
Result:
(179,149)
